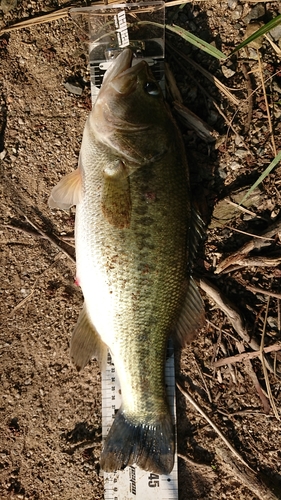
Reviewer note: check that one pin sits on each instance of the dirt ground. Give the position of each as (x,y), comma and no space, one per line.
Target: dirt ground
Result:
(50,424)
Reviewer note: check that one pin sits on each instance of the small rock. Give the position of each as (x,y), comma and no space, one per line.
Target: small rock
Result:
(274,214)
(7,5)
(252,54)
(276,87)
(273,323)
(255,13)
(241,153)
(238,140)
(74,88)
(276,32)
(3,154)
(222,173)
(232,4)
(227,72)
(234,165)
(237,13)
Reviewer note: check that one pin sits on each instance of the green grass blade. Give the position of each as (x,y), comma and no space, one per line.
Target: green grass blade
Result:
(261,31)
(201,44)
(262,176)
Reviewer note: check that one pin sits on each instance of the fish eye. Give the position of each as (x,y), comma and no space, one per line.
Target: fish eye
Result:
(151,88)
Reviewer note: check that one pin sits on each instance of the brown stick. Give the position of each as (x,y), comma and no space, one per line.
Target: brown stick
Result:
(264,292)
(241,261)
(245,355)
(246,477)
(233,315)
(250,98)
(218,431)
(255,243)
(50,238)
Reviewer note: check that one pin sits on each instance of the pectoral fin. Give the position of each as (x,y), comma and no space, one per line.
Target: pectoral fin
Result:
(116,198)
(67,192)
(86,343)
(192,315)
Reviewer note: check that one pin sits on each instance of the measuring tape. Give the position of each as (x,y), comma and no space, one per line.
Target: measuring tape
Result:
(132,482)
(108,27)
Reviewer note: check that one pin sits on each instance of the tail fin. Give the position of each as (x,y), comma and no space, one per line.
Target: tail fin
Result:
(151,447)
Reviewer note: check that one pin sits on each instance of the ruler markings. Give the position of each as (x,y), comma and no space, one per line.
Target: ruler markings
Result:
(134,483)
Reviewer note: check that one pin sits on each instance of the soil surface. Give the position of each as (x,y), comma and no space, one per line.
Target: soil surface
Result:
(50,424)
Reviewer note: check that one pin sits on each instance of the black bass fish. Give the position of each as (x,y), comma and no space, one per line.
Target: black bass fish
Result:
(134,235)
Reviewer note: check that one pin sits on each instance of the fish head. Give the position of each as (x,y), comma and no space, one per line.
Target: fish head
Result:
(130,115)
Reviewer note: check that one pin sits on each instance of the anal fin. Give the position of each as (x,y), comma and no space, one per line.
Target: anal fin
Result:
(86,343)
(192,315)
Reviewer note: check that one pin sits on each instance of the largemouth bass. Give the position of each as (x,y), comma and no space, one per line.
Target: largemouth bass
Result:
(133,236)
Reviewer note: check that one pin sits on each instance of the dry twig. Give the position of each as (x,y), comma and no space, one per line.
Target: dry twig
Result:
(256,289)
(50,238)
(270,396)
(35,233)
(204,381)
(267,106)
(250,98)
(241,261)
(249,369)
(233,315)
(192,462)
(230,367)
(247,477)
(255,243)
(213,425)
(193,121)
(209,76)
(45,18)
(172,84)
(246,355)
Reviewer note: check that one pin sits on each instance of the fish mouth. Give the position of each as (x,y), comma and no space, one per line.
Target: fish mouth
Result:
(122,74)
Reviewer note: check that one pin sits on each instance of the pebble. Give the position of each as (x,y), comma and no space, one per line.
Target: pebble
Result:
(238,140)
(222,173)
(237,13)
(234,165)
(241,153)
(255,13)
(227,72)
(276,33)
(73,88)
(7,5)
(232,4)
(3,154)
(272,322)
